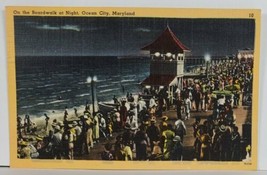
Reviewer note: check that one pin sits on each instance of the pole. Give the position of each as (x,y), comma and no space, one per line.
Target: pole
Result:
(207,69)
(93,96)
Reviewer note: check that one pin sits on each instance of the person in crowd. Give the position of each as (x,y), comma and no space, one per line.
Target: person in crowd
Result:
(128,136)
(197,97)
(196,125)
(225,143)
(168,136)
(179,104)
(109,126)
(27,124)
(102,125)
(156,153)
(177,150)
(115,100)
(56,143)
(188,105)
(89,135)
(206,101)
(46,121)
(19,127)
(24,150)
(132,121)
(130,98)
(118,152)
(71,134)
(127,152)
(78,141)
(235,145)
(180,128)
(96,128)
(123,113)
(76,112)
(141,141)
(153,132)
(106,154)
(163,122)
(205,150)
(33,128)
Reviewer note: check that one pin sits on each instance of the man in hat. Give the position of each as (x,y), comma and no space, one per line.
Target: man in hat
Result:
(177,150)
(132,120)
(96,128)
(225,143)
(153,132)
(71,133)
(168,136)
(89,123)
(56,143)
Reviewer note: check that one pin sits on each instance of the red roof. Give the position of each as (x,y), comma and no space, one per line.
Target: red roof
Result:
(166,42)
(158,80)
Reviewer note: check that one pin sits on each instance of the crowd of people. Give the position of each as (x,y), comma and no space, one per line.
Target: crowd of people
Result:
(141,129)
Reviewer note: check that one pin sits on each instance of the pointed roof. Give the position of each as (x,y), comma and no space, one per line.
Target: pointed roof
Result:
(166,42)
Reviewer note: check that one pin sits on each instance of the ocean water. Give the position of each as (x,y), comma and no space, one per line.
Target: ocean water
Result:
(46,84)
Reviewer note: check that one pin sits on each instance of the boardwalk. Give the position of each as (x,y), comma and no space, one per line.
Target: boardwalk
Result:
(240,112)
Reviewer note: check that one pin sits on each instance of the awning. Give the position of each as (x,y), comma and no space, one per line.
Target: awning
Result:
(160,80)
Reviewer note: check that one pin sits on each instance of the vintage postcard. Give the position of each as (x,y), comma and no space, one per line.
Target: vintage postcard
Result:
(133,88)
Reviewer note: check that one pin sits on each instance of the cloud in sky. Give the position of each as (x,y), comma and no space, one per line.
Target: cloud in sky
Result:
(47,27)
(125,36)
(140,29)
(65,27)
(71,27)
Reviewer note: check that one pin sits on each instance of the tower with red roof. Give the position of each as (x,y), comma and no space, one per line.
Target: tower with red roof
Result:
(167,54)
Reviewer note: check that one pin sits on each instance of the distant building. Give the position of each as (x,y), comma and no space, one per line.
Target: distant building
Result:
(245,55)
(167,54)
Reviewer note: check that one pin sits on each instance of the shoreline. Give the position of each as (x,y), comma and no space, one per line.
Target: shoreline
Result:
(59,114)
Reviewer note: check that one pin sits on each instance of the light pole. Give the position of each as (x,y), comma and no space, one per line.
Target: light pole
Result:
(92,81)
(207,60)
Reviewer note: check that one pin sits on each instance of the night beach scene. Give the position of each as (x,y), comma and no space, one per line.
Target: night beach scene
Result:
(134,89)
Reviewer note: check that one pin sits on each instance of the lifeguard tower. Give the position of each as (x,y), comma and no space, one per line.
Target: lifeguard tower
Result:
(167,54)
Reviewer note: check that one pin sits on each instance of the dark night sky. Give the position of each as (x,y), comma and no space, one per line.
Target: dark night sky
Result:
(98,36)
